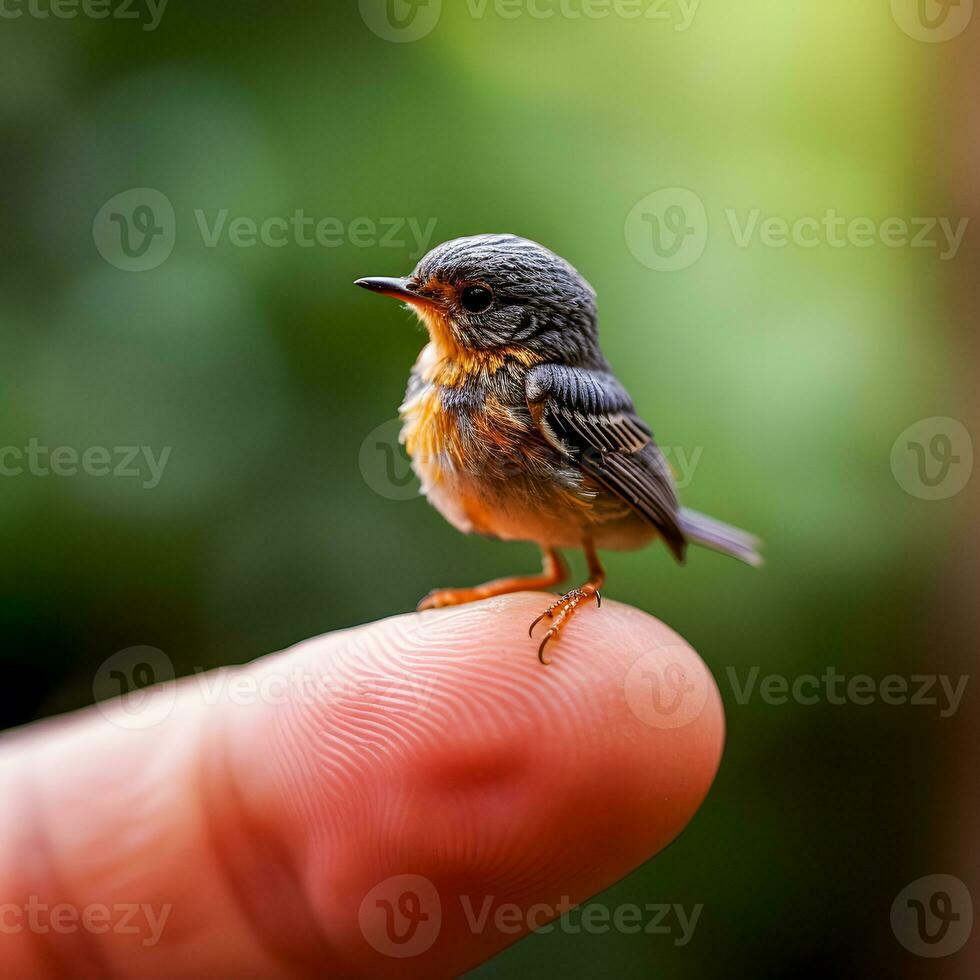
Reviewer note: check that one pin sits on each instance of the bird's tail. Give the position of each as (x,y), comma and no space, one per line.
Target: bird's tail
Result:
(709,533)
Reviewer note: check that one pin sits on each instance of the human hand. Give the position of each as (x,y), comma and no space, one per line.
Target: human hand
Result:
(266,825)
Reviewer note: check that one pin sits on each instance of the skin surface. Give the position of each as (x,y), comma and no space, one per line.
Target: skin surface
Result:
(427,745)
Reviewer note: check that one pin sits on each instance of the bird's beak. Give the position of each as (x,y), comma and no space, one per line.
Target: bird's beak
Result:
(395,288)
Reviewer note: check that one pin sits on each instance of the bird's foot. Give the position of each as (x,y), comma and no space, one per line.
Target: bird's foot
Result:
(443,598)
(552,572)
(561,612)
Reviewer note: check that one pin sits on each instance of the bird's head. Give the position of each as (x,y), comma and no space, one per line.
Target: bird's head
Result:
(499,293)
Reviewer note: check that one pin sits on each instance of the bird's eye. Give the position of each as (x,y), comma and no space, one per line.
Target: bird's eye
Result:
(476,299)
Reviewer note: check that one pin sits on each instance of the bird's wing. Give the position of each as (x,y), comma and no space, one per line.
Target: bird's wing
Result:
(589,417)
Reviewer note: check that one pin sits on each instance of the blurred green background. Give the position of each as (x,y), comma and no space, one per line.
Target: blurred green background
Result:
(790,372)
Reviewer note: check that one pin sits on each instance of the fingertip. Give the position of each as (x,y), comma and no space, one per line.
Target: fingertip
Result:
(433,752)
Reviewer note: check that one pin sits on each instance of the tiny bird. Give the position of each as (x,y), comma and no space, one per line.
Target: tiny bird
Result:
(518,429)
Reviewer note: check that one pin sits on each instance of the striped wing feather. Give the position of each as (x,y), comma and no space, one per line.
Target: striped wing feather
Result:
(588,416)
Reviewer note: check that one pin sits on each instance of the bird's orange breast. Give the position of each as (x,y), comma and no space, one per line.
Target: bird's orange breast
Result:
(438,439)
(483,463)
(454,437)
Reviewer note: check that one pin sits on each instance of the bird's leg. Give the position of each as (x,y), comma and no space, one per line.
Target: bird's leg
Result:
(553,572)
(561,612)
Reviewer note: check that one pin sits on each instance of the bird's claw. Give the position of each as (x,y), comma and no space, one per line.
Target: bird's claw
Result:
(552,632)
(568,603)
(429,601)
(549,613)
